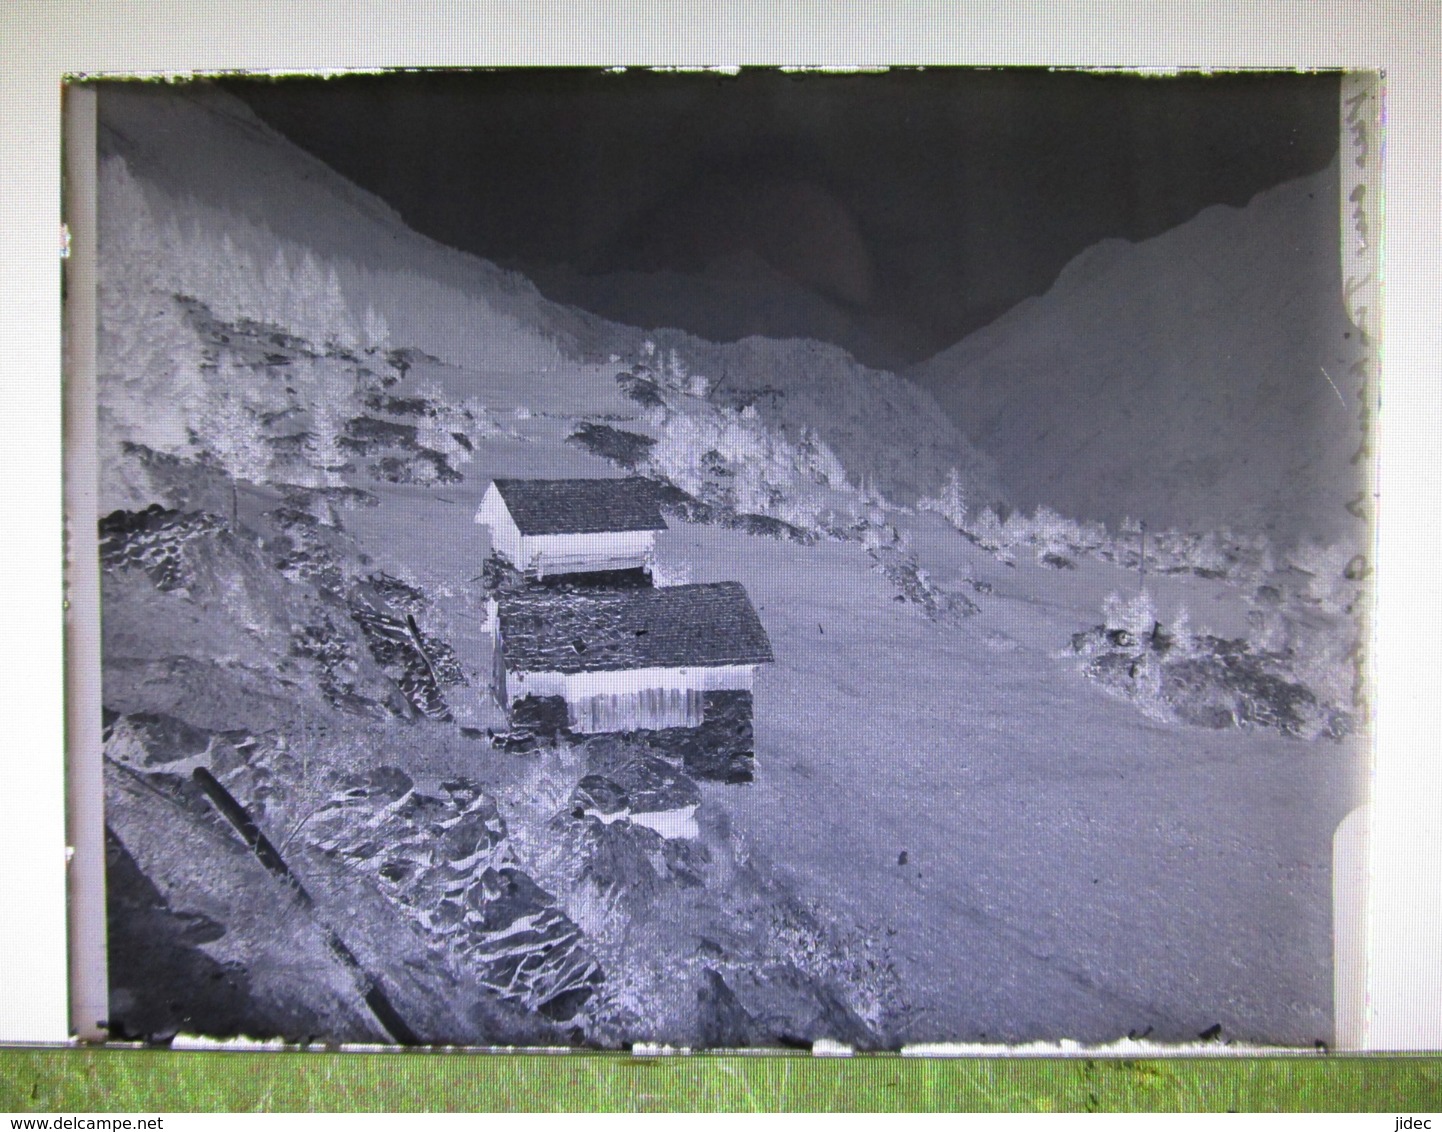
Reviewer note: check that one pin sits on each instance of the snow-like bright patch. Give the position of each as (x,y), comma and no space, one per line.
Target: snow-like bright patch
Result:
(671,823)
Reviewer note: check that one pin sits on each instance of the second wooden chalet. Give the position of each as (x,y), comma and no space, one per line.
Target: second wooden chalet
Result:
(678,660)
(546,527)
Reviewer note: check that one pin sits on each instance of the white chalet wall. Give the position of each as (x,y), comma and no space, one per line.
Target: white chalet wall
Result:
(571,553)
(505,535)
(561,553)
(579,685)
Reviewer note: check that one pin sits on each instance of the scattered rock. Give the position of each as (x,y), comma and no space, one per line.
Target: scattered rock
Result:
(332,649)
(364,435)
(625,449)
(398,593)
(517,742)
(402,359)
(350,498)
(400,406)
(915,587)
(1215,683)
(302,552)
(768,527)
(424,466)
(419,664)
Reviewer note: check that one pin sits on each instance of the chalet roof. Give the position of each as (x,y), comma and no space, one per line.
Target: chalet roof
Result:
(696,626)
(581,506)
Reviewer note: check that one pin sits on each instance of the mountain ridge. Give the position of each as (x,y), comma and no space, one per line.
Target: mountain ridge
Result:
(1188,380)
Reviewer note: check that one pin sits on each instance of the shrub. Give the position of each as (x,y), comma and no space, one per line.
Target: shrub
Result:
(1135,616)
(734,460)
(949,502)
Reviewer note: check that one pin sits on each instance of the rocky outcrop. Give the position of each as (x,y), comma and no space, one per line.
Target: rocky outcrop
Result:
(150,739)
(722,1022)
(789,1007)
(638,784)
(420,665)
(445,858)
(1208,681)
(625,449)
(155,540)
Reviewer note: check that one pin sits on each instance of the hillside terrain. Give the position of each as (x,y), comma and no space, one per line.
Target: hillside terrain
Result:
(1018,777)
(1198,379)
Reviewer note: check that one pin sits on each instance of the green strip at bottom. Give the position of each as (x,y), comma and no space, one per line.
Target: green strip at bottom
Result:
(114,1080)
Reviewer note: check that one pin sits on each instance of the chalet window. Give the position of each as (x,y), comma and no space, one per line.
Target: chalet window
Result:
(650,709)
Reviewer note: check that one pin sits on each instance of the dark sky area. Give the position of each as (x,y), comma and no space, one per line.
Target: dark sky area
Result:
(914,205)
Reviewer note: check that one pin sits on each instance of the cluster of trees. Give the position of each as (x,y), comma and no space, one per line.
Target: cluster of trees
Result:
(159,384)
(239,269)
(767,473)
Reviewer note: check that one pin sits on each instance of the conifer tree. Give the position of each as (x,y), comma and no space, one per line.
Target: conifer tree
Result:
(231,432)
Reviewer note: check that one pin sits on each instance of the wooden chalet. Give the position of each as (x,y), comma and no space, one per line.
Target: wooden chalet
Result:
(548,527)
(638,660)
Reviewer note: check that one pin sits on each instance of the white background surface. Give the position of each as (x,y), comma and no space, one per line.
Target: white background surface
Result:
(41,42)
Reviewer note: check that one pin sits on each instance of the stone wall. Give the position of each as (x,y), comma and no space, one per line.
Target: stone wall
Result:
(721,748)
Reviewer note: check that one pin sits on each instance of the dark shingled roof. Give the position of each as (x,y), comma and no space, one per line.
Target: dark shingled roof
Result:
(675,627)
(582,507)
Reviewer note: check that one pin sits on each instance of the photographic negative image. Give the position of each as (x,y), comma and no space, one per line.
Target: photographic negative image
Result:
(730,560)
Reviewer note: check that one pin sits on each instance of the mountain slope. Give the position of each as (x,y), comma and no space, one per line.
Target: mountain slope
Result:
(1179,380)
(207,166)
(738,297)
(954,832)
(201,145)
(883,428)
